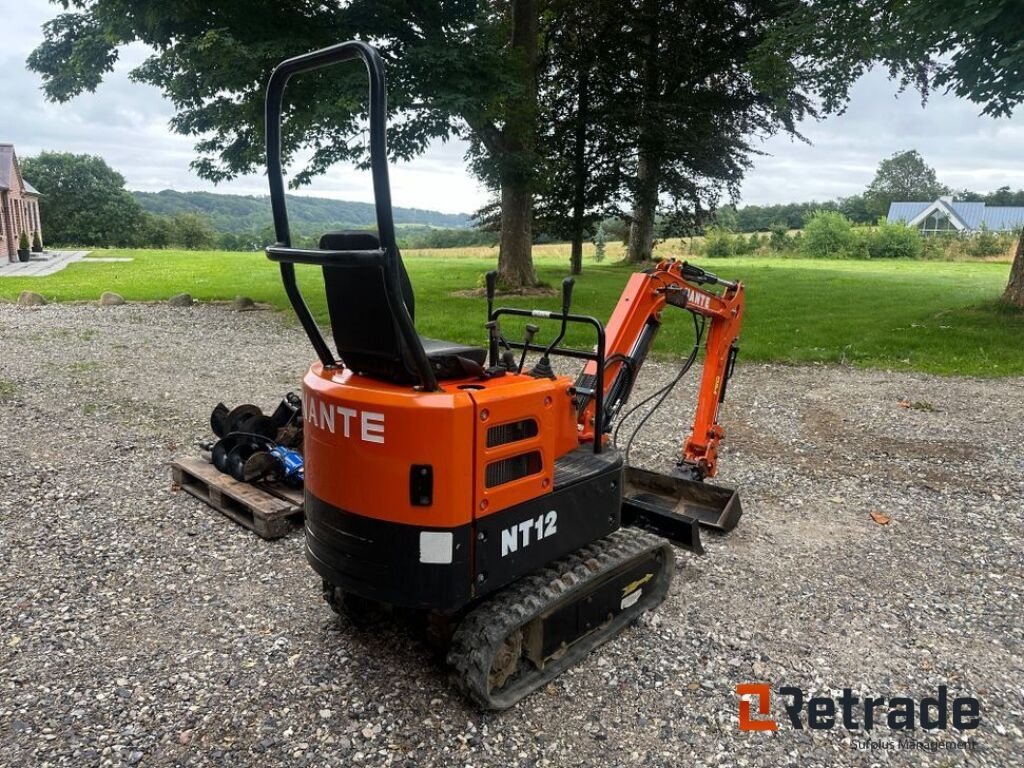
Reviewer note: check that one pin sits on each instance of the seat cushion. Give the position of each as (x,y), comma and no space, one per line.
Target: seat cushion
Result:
(447,358)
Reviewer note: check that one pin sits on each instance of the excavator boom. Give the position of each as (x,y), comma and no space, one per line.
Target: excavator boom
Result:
(671,503)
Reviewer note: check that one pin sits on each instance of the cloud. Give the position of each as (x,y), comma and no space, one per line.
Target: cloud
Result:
(966,150)
(127,124)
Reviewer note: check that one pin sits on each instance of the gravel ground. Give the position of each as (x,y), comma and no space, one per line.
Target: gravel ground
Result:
(138,626)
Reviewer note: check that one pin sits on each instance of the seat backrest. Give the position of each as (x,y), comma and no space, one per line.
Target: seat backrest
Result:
(362,319)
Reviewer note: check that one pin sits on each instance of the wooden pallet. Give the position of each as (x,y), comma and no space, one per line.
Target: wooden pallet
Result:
(267,509)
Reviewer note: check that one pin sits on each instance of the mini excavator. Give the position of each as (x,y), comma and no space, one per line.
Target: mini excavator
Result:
(457,482)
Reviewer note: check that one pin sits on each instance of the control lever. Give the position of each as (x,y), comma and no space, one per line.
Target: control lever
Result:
(543,368)
(492,341)
(567,286)
(493,332)
(531,331)
(491,281)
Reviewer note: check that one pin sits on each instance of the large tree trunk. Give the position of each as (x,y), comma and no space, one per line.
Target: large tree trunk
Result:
(579,163)
(576,253)
(645,207)
(517,166)
(645,200)
(1014,293)
(515,259)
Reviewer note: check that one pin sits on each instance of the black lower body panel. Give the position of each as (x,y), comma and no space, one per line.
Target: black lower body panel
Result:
(585,505)
(389,562)
(384,561)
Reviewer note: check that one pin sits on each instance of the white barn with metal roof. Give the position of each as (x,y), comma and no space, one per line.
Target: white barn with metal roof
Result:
(949,215)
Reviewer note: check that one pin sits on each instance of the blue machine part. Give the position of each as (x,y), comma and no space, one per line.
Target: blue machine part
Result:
(290,465)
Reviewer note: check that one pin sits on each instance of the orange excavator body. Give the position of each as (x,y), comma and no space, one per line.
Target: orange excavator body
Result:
(362,436)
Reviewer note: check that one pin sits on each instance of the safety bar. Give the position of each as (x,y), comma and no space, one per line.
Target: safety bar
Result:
(578,354)
(320,258)
(285,255)
(334,54)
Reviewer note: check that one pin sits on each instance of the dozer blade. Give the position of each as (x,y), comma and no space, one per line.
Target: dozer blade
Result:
(650,495)
(651,513)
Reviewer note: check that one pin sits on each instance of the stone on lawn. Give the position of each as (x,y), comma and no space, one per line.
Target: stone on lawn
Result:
(181,300)
(30,299)
(243,304)
(111,299)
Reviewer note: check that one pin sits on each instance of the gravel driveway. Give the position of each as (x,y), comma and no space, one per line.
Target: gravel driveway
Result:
(138,626)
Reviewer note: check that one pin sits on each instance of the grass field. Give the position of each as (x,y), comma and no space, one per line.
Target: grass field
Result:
(939,317)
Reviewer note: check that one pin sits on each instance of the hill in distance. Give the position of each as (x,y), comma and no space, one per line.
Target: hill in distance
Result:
(251,213)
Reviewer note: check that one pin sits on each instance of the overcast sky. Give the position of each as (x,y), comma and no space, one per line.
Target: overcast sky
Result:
(127,124)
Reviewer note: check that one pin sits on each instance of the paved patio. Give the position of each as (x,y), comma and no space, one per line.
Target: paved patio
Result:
(47,263)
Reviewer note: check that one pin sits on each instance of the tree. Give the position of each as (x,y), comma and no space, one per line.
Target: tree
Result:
(855,208)
(455,68)
(970,48)
(827,234)
(704,87)
(967,195)
(193,231)
(1005,196)
(156,231)
(765,218)
(83,200)
(728,218)
(510,148)
(1014,293)
(903,176)
(600,242)
(579,136)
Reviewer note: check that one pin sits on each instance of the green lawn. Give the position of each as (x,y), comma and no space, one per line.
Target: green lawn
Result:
(940,317)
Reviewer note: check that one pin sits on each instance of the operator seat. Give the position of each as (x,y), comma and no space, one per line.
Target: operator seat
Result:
(363,322)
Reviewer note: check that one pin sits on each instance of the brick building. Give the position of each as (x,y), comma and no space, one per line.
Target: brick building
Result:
(19,205)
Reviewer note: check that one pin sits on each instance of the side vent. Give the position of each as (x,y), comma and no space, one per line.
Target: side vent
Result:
(511,432)
(513,468)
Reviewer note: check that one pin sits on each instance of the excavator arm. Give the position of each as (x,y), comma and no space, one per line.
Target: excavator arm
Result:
(631,331)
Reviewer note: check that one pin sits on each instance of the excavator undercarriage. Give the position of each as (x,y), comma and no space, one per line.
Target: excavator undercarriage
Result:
(528,634)
(487,496)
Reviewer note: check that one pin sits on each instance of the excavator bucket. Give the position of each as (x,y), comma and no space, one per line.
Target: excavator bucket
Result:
(674,506)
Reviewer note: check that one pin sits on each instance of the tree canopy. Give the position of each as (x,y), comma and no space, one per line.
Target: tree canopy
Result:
(683,88)
(580,132)
(969,47)
(83,200)
(455,68)
(903,176)
(705,86)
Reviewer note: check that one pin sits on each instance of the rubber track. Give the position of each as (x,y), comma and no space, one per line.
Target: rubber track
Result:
(483,630)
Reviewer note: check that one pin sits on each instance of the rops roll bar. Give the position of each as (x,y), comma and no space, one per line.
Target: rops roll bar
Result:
(284,254)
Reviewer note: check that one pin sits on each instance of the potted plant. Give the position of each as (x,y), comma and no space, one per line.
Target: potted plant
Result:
(37,243)
(23,247)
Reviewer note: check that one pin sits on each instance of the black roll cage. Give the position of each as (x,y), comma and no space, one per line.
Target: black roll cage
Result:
(387,255)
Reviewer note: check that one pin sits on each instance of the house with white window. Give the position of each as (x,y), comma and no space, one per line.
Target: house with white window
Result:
(949,215)
(19,206)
